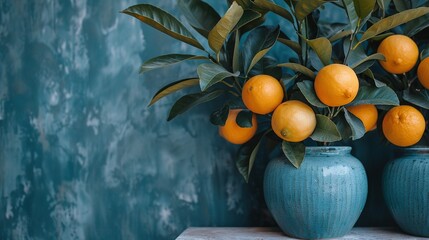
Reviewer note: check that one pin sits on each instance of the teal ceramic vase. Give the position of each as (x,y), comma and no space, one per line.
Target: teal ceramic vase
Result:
(322,199)
(406,190)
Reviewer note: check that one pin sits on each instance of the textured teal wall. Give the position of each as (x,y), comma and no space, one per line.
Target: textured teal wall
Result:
(82,157)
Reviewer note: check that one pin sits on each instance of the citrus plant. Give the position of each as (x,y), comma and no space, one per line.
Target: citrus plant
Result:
(330,88)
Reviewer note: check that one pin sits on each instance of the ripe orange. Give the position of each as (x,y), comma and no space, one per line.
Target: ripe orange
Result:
(403,126)
(262,94)
(293,121)
(336,85)
(401,53)
(235,134)
(367,113)
(423,72)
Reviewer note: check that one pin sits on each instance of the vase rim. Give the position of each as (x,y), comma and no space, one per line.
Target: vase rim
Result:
(417,149)
(328,150)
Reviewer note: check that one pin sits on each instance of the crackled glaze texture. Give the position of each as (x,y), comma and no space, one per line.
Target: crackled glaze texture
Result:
(322,199)
(406,190)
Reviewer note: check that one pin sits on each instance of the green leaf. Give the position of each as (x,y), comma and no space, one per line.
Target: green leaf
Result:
(226,24)
(377,96)
(219,116)
(415,26)
(244,119)
(191,100)
(417,97)
(174,87)
(270,6)
(349,6)
(367,62)
(200,15)
(402,5)
(298,68)
(356,125)
(247,155)
(305,7)
(326,130)
(370,74)
(162,21)
(292,44)
(167,60)
(392,22)
(364,7)
(259,41)
(307,89)
(384,5)
(248,16)
(294,152)
(211,73)
(340,35)
(323,48)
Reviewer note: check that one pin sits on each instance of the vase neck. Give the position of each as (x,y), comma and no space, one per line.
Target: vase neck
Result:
(416,150)
(327,151)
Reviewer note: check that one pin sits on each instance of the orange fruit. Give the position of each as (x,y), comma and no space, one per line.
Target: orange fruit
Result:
(403,126)
(235,134)
(293,121)
(401,53)
(423,72)
(367,113)
(262,94)
(336,85)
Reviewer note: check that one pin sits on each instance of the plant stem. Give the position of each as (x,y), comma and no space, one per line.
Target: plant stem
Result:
(352,38)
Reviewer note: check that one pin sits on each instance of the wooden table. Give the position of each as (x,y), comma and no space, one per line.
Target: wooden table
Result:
(260,233)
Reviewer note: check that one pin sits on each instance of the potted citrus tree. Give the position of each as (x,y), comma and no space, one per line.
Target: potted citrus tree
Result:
(327,91)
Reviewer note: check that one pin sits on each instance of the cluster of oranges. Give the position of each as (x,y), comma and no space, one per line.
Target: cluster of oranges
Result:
(335,85)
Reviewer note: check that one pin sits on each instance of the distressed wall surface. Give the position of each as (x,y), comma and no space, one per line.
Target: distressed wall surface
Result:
(81,155)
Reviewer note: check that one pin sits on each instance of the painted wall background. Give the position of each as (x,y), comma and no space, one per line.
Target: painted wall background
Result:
(81,155)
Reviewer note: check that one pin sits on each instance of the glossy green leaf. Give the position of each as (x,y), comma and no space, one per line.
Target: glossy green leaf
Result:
(377,96)
(211,73)
(392,22)
(200,15)
(364,7)
(340,35)
(191,100)
(367,62)
(305,7)
(244,119)
(356,125)
(271,6)
(259,41)
(326,130)
(402,5)
(370,74)
(247,155)
(384,5)
(248,16)
(220,32)
(167,60)
(323,48)
(417,25)
(219,116)
(162,21)
(351,13)
(292,44)
(174,87)
(417,97)
(307,89)
(294,152)
(299,68)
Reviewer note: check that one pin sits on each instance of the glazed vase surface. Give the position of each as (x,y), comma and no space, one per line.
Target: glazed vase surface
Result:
(322,199)
(406,190)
